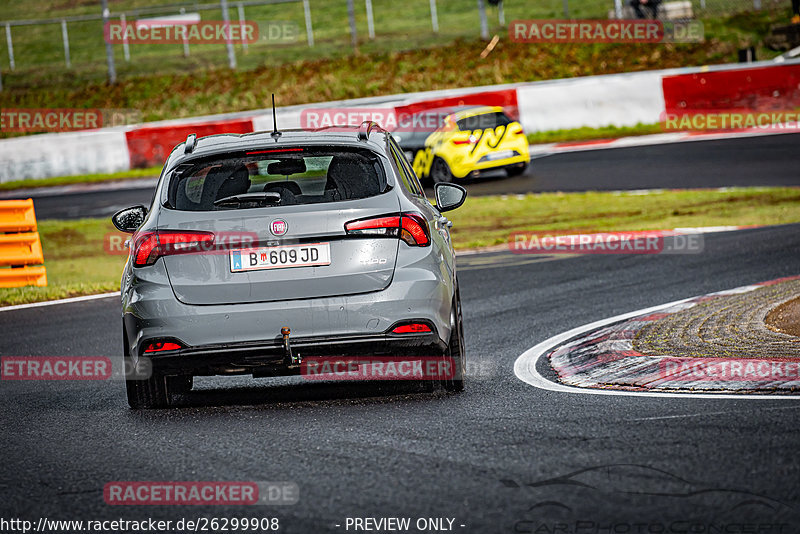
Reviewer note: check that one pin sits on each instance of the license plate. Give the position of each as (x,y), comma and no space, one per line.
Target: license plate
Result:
(503,154)
(281,257)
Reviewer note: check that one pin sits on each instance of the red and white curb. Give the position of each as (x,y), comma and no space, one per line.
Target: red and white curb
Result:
(588,357)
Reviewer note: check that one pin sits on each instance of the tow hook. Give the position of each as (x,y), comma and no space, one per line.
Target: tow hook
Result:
(289,358)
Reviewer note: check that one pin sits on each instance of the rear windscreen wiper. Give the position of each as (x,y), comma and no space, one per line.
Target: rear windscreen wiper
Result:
(250,198)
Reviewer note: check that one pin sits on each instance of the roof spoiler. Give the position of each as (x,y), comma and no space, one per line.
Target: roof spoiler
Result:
(367,127)
(191,141)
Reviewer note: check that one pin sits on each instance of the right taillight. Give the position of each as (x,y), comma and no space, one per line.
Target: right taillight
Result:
(414,230)
(408,226)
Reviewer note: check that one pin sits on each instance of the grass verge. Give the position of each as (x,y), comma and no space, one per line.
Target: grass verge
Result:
(588,134)
(78,261)
(486,221)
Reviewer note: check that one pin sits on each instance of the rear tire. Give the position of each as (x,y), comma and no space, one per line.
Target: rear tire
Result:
(456,351)
(151,392)
(440,172)
(516,171)
(148,393)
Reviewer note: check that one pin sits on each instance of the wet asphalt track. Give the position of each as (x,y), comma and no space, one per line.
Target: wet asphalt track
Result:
(753,161)
(360,450)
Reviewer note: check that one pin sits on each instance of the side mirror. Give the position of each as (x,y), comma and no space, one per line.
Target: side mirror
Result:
(129,219)
(449,196)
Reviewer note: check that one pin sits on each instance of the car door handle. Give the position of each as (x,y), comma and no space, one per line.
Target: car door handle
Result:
(444,221)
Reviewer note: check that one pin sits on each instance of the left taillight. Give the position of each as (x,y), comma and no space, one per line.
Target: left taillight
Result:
(385,225)
(162,346)
(412,328)
(149,246)
(411,227)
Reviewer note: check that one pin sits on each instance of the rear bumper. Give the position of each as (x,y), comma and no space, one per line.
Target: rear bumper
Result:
(502,166)
(467,169)
(268,358)
(235,334)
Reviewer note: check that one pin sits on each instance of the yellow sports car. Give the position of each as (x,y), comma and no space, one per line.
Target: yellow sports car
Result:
(470,142)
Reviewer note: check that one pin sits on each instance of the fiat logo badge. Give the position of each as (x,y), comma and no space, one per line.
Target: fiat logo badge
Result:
(278,227)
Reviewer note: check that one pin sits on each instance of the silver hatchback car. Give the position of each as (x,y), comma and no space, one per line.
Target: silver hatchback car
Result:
(263,252)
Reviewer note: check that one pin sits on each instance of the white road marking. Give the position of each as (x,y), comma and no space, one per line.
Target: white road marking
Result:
(736,413)
(59,301)
(525,366)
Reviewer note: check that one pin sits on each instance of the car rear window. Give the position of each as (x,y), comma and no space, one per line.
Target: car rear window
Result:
(483,121)
(277,177)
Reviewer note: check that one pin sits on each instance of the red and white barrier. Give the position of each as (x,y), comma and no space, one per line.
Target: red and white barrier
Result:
(149,146)
(592,101)
(63,154)
(767,88)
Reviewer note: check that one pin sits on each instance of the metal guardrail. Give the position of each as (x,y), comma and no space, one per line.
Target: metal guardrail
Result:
(21,255)
(135,13)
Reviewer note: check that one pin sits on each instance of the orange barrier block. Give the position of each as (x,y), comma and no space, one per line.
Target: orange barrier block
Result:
(17,216)
(23,276)
(21,249)
(21,253)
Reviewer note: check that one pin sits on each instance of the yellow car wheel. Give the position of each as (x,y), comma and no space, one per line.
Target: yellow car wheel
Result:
(516,171)
(440,172)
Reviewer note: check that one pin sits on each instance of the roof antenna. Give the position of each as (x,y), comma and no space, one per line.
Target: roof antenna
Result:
(275,133)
